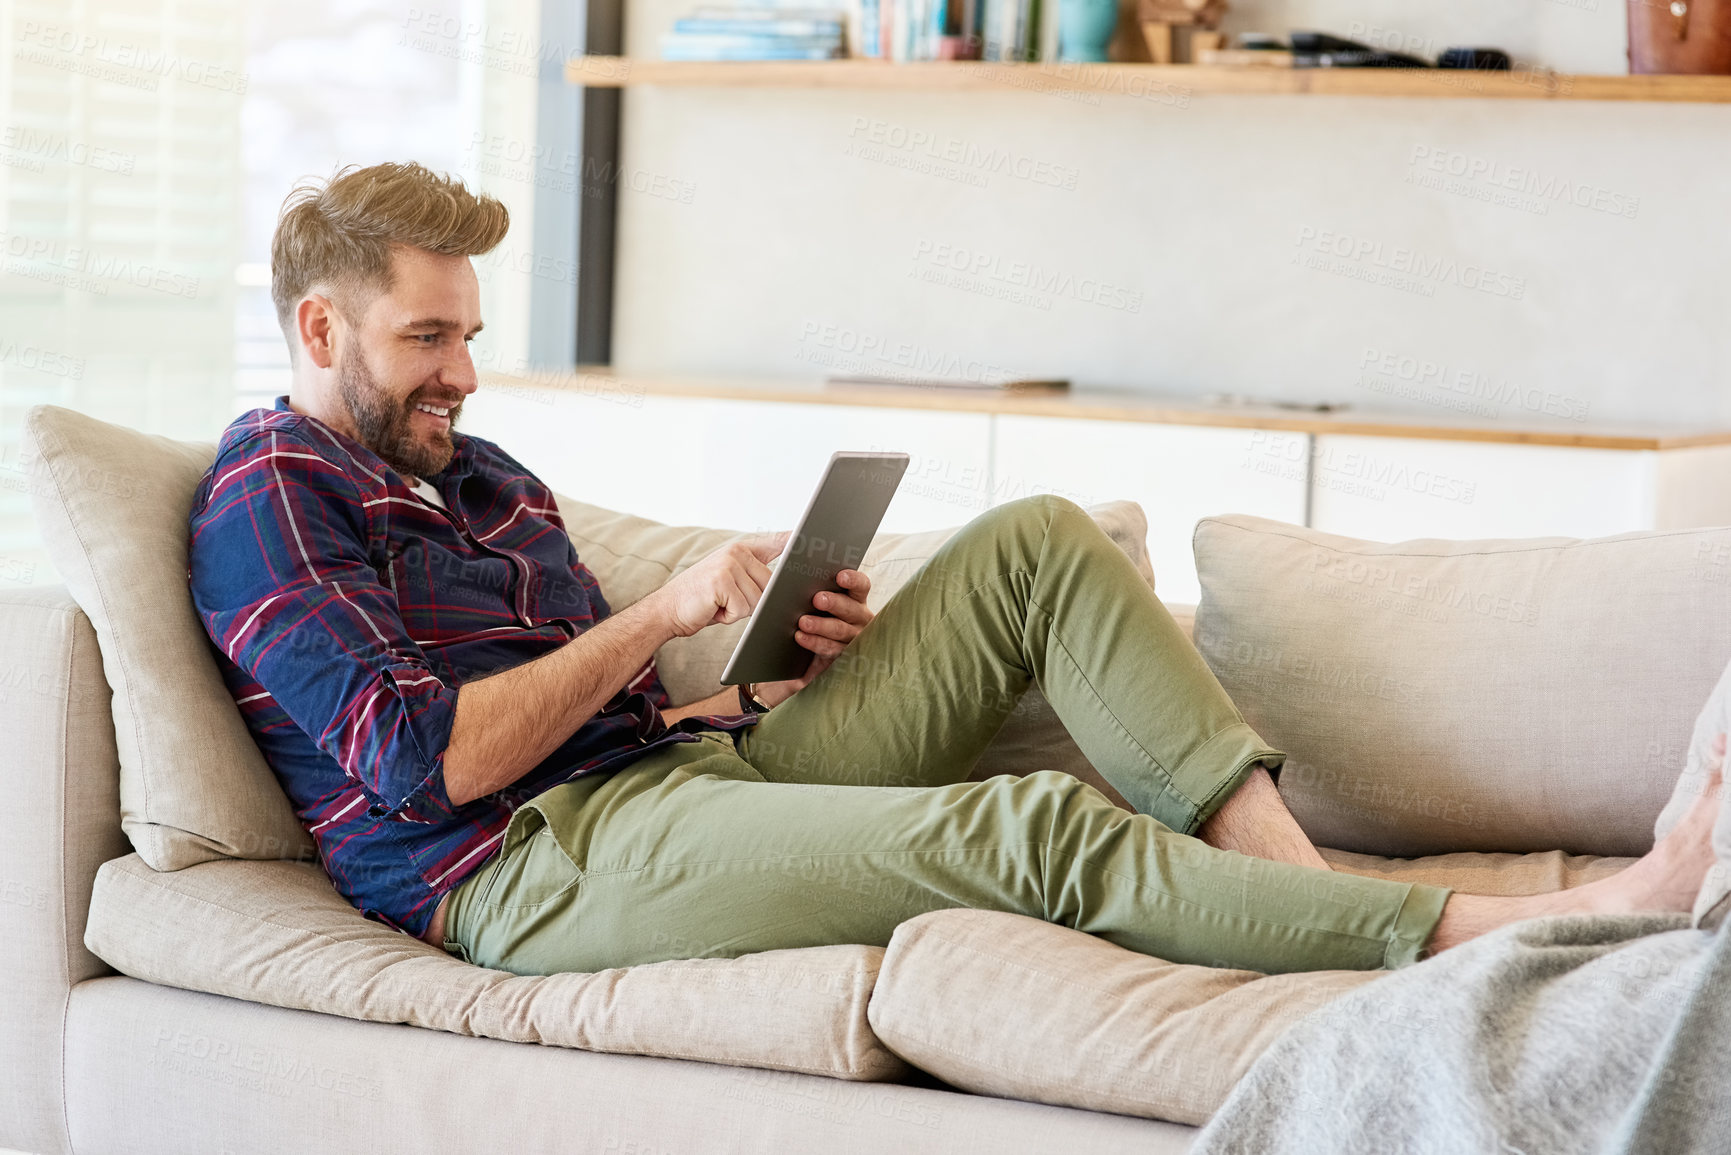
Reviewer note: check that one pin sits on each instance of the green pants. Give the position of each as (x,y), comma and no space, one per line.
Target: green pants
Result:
(844,811)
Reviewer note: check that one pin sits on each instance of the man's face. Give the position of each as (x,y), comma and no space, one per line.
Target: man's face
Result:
(407,355)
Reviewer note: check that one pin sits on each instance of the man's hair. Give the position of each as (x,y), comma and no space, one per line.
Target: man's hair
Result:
(339,233)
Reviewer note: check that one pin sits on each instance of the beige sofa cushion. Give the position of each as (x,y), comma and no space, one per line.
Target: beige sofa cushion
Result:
(112,505)
(277,933)
(1470,695)
(1001,1004)
(1005,1005)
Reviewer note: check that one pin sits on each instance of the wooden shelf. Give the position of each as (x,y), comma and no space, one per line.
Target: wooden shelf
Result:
(1106,405)
(1172,84)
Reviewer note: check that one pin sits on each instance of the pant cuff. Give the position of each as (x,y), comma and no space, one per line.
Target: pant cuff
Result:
(1200,785)
(1414,924)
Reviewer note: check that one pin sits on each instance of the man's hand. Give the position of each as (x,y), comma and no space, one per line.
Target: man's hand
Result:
(825,637)
(728,584)
(722,588)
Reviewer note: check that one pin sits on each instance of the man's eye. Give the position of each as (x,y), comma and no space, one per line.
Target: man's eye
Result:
(426,338)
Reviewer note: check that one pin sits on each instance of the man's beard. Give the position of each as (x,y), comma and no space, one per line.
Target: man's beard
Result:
(385,424)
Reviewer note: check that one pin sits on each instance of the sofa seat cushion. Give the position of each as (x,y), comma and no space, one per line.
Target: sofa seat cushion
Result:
(1435,696)
(277,933)
(1507,875)
(1000,1004)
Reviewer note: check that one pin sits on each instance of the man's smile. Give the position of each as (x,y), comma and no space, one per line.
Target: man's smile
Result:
(438,418)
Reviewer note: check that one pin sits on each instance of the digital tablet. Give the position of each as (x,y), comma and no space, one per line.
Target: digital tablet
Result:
(833,534)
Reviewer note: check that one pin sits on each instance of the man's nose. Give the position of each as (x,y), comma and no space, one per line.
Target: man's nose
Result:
(458,371)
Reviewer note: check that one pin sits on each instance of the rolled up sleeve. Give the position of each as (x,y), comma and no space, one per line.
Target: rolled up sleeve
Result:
(282,578)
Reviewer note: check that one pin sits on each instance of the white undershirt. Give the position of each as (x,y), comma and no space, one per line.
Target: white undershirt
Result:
(428,493)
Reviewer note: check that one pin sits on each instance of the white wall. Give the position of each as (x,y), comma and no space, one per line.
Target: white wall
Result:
(770,234)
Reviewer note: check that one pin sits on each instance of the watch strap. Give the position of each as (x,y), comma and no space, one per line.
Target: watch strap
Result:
(749,702)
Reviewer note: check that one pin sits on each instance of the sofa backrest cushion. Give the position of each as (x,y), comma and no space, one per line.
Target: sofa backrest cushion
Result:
(112,505)
(1468,695)
(632,556)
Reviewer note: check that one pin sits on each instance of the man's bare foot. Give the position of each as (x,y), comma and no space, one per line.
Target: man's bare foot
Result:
(1667,878)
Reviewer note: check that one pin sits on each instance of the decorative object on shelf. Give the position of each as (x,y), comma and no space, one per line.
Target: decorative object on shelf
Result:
(1680,37)
(1475,59)
(1321,50)
(1254,50)
(1246,401)
(1161,20)
(1085,29)
(756,32)
(911,31)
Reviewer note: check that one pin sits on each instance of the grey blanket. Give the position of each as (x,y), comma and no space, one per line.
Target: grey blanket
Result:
(1578,1034)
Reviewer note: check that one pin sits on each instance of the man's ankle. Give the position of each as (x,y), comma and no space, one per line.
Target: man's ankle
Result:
(1256,822)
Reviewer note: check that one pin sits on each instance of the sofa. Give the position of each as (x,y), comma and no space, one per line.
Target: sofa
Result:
(1501,717)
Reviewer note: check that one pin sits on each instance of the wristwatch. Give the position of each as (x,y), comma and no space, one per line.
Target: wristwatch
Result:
(749,702)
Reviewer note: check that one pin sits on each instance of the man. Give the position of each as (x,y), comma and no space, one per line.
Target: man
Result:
(486,758)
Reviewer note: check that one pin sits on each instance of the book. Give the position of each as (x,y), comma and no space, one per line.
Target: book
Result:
(696,48)
(726,40)
(901,44)
(898,30)
(1009,29)
(758,31)
(863,24)
(710,26)
(770,12)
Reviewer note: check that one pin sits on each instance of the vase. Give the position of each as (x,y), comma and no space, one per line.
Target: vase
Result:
(1680,36)
(1085,28)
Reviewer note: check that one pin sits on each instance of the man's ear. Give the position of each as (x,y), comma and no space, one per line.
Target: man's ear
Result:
(316,324)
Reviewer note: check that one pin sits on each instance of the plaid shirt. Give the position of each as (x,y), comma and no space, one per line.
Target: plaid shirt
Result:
(346,614)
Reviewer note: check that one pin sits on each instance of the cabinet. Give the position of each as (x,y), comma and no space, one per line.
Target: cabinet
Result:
(1389,489)
(1178,474)
(741,464)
